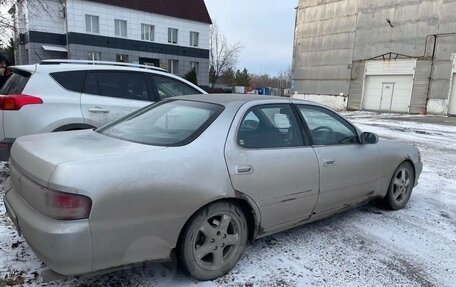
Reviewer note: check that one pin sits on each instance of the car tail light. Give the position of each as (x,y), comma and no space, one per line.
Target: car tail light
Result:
(16,102)
(67,206)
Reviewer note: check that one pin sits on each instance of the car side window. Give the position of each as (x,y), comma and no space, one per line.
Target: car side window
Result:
(327,128)
(72,80)
(168,87)
(124,85)
(270,126)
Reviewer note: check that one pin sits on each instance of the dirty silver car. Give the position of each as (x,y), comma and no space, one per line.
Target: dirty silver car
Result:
(196,176)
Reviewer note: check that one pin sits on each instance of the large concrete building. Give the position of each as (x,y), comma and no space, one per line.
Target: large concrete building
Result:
(172,34)
(385,55)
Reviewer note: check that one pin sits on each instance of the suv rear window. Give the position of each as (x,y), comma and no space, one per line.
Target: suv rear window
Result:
(170,123)
(72,81)
(16,83)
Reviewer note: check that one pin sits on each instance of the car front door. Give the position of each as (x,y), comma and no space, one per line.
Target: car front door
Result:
(270,161)
(349,170)
(109,95)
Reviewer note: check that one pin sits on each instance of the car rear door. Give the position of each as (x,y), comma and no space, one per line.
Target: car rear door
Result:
(270,161)
(109,95)
(349,170)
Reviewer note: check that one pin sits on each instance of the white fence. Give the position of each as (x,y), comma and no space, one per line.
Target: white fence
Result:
(338,103)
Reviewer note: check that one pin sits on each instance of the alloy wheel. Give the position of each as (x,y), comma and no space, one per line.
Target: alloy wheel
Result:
(217,241)
(401,186)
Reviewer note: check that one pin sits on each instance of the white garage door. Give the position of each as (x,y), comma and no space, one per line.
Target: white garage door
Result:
(388,85)
(452,104)
(388,93)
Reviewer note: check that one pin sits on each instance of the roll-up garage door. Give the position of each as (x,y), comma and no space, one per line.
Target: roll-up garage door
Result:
(388,85)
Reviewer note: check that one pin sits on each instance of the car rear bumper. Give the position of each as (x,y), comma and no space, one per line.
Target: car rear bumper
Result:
(65,246)
(5,147)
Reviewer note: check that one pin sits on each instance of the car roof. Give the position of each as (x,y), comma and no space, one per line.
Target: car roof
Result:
(239,99)
(61,67)
(67,67)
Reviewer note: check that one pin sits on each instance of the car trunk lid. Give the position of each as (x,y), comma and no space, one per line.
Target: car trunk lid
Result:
(37,156)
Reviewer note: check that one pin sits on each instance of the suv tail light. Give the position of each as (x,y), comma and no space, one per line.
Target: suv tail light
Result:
(67,206)
(16,102)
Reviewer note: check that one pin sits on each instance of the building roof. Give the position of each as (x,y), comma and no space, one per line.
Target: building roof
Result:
(194,10)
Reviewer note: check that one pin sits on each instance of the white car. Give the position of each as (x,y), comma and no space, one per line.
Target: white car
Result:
(62,95)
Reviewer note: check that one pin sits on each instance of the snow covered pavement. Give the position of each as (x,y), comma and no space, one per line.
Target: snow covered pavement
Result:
(362,247)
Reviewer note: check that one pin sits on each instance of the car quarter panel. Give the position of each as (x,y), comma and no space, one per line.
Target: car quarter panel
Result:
(142,200)
(60,107)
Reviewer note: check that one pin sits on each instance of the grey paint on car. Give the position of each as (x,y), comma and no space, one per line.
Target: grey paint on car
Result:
(144,196)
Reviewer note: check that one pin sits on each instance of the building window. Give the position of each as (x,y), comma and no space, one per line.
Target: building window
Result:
(194,39)
(92,24)
(147,32)
(94,56)
(195,65)
(121,28)
(120,58)
(173,66)
(172,35)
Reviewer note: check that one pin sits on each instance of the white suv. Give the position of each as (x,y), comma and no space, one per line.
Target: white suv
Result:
(58,95)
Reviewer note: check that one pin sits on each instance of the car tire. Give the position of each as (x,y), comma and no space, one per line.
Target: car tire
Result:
(213,241)
(400,187)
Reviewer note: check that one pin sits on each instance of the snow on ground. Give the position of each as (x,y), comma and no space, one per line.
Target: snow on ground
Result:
(362,247)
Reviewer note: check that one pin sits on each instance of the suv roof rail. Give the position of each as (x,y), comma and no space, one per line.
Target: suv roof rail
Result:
(90,62)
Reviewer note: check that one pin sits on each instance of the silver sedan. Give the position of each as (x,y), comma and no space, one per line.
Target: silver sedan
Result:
(196,176)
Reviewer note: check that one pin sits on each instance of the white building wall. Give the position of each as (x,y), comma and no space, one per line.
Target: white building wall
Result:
(47,16)
(77,9)
(338,103)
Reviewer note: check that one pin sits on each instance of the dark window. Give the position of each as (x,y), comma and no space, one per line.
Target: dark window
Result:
(270,126)
(126,85)
(73,81)
(171,123)
(121,58)
(327,128)
(16,83)
(168,87)
(91,86)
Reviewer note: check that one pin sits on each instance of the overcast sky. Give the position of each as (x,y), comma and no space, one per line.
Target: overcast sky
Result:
(264,27)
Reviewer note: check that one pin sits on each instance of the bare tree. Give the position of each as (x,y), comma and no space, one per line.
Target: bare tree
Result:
(36,8)
(6,21)
(223,55)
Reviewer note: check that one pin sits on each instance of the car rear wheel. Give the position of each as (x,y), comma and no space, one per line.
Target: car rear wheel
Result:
(401,187)
(213,241)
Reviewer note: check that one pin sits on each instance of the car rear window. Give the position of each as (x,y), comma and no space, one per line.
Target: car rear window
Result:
(168,87)
(170,123)
(16,83)
(72,80)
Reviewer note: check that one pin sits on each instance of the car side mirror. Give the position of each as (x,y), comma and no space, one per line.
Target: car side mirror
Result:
(368,138)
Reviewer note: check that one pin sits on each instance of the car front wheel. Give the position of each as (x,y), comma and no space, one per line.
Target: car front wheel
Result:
(401,187)
(213,241)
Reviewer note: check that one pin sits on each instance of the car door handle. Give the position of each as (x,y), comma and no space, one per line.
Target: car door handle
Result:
(243,169)
(98,110)
(329,162)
